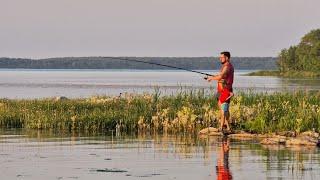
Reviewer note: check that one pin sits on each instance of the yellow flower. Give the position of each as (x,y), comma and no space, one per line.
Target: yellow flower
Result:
(73,118)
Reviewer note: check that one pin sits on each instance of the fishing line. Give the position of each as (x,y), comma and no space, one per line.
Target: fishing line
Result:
(153,63)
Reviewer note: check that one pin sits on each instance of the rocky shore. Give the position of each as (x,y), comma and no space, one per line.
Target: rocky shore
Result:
(288,138)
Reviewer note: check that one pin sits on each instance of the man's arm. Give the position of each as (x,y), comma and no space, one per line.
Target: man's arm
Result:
(220,75)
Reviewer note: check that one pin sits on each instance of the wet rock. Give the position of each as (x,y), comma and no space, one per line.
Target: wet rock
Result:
(243,135)
(215,134)
(308,138)
(302,142)
(274,140)
(287,133)
(311,134)
(267,135)
(208,131)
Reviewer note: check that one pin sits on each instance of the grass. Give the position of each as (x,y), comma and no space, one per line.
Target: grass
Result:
(289,74)
(186,111)
(264,73)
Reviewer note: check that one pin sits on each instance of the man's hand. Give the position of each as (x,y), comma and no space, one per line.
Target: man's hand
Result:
(231,94)
(209,78)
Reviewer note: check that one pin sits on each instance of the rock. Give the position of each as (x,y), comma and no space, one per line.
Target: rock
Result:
(274,140)
(215,134)
(287,133)
(207,131)
(301,142)
(244,135)
(309,134)
(267,135)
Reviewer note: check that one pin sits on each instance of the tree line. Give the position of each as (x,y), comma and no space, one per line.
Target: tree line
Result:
(203,63)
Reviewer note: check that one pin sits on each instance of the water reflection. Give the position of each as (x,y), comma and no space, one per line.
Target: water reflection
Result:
(155,156)
(222,168)
(300,84)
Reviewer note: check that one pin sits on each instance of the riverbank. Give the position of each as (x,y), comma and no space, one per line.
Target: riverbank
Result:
(182,112)
(291,74)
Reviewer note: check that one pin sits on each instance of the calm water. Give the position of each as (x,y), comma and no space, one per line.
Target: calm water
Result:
(37,156)
(84,83)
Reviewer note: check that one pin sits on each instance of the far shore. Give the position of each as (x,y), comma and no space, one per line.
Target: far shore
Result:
(291,74)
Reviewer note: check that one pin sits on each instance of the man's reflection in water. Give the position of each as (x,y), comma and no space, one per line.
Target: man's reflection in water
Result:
(222,168)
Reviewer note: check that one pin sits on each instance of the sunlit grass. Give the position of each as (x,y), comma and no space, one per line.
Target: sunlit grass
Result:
(187,111)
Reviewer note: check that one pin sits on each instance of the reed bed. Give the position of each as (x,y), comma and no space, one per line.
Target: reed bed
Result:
(187,111)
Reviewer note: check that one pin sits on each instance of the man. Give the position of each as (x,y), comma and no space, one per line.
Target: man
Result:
(225,81)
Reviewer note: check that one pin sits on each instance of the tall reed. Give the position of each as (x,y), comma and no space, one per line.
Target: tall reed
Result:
(186,111)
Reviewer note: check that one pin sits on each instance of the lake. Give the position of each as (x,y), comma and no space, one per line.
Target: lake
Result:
(22,83)
(44,155)
(38,155)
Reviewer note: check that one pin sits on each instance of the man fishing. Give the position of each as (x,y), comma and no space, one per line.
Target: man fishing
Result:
(224,88)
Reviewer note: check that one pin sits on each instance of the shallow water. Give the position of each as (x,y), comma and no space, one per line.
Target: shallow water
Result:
(38,155)
(19,83)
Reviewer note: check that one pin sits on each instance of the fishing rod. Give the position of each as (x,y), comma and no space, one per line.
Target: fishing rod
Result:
(153,63)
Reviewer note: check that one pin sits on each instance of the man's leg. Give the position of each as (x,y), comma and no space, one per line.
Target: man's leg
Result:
(226,120)
(221,117)
(226,115)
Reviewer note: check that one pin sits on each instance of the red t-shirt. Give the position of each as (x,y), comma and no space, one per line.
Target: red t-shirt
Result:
(228,77)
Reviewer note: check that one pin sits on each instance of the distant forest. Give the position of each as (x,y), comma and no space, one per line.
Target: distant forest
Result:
(204,63)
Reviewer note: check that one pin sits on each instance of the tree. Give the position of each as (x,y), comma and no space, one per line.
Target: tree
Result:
(303,57)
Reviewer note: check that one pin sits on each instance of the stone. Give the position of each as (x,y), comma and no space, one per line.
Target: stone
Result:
(309,134)
(207,131)
(274,140)
(267,135)
(243,135)
(302,142)
(287,133)
(215,134)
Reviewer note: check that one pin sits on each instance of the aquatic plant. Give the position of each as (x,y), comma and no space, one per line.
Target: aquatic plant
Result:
(186,111)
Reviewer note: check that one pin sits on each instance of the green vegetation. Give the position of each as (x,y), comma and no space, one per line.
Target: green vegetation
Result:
(303,57)
(302,60)
(264,73)
(184,112)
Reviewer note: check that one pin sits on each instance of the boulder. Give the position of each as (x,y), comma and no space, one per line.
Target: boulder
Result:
(215,134)
(243,135)
(302,142)
(267,135)
(287,133)
(274,140)
(208,131)
(311,134)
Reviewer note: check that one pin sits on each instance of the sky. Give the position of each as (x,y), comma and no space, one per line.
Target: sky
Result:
(167,28)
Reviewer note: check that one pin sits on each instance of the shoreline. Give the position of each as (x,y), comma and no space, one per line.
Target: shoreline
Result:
(286,138)
(290,74)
